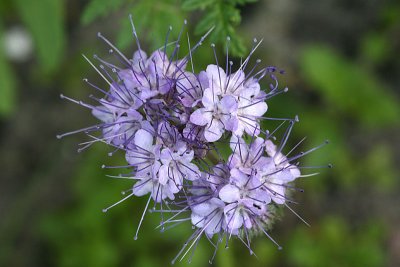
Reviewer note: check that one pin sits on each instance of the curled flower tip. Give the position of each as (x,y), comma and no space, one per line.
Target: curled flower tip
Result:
(296,118)
(286,89)
(327,141)
(103,166)
(62,96)
(330,166)
(59,136)
(104,210)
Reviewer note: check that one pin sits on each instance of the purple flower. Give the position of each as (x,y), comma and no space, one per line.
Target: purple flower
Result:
(143,154)
(247,200)
(251,107)
(171,124)
(209,216)
(216,115)
(223,84)
(177,166)
(247,158)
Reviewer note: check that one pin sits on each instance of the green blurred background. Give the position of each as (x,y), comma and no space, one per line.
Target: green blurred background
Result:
(343,71)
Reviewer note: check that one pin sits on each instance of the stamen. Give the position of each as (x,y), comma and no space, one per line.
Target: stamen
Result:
(116,203)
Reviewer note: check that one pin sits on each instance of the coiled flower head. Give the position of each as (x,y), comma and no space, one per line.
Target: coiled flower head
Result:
(171,123)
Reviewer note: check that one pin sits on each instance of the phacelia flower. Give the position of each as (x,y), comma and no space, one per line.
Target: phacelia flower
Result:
(174,127)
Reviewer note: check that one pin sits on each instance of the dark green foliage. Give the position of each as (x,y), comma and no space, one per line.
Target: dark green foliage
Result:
(152,19)
(224,16)
(99,8)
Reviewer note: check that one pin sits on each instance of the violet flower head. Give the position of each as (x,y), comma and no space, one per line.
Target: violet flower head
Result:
(174,126)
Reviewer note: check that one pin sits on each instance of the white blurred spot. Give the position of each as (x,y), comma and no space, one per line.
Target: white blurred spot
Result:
(17,44)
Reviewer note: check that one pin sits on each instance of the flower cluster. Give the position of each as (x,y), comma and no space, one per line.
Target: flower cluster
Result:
(172,125)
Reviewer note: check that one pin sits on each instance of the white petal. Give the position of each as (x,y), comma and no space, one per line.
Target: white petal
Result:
(209,99)
(233,218)
(197,220)
(214,131)
(200,117)
(229,193)
(235,85)
(216,77)
(143,187)
(255,109)
(228,104)
(143,140)
(191,170)
(163,174)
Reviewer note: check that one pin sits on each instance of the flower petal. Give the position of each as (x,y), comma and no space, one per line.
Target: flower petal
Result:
(217,78)
(228,104)
(214,131)
(143,140)
(200,117)
(229,193)
(142,187)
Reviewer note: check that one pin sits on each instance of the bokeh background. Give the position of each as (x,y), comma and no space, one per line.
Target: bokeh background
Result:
(342,68)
